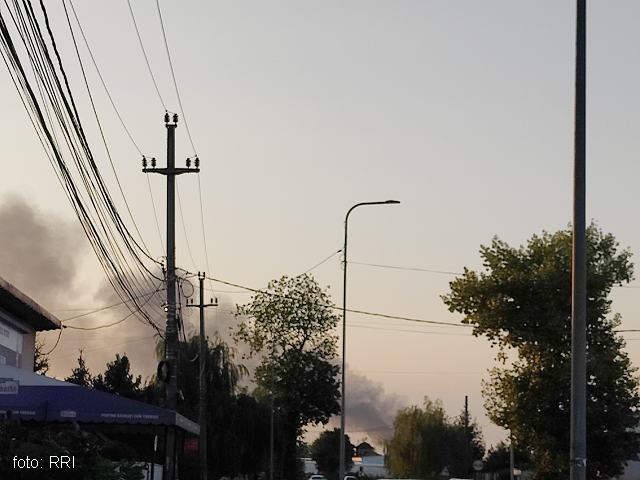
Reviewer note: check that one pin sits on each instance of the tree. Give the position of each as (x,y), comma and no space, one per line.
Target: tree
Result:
(524,302)
(325,451)
(80,375)
(118,380)
(292,326)
(425,441)
(499,460)
(469,437)
(40,359)
(94,456)
(238,426)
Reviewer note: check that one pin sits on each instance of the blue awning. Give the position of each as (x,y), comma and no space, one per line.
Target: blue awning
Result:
(31,398)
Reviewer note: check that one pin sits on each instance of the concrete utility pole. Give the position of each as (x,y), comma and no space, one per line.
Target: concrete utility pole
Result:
(202,417)
(578,455)
(171,332)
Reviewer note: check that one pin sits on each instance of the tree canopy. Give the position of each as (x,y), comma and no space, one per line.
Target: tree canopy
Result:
(291,325)
(523,301)
(426,440)
(325,451)
(118,379)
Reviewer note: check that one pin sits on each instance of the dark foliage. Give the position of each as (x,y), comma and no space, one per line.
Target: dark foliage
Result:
(40,359)
(325,451)
(90,454)
(118,380)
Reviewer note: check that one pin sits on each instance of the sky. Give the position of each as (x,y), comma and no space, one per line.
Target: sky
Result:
(462,111)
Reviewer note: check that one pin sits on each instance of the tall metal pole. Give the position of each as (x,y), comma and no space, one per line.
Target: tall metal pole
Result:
(578,455)
(272,432)
(171,332)
(512,463)
(467,443)
(344,337)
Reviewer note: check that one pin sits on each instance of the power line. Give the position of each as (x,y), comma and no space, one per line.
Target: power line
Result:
(55,111)
(406,268)
(153,78)
(54,347)
(184,228)
(173,75)
(100,326)
(204,235)
(420,372)
(409,331)
(108,346)
(155,215)
(96,310)
(408,319)
(95,64)
(315,266)
(444,272)
(348,310)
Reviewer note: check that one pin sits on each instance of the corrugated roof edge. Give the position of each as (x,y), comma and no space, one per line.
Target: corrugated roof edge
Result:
(24,308)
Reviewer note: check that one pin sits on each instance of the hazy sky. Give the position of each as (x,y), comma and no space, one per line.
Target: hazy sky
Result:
(461,110)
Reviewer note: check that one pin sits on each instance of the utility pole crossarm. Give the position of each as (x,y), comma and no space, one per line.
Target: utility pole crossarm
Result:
(174,171)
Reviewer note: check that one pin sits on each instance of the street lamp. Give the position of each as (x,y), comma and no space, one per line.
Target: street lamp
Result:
(344,333)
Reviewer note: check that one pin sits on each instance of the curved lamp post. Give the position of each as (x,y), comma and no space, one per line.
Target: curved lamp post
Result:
(344,334)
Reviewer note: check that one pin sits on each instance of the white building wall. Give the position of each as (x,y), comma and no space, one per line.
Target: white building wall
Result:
(17,343)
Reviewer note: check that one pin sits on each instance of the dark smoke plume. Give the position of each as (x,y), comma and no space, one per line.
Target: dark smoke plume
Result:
(40,253)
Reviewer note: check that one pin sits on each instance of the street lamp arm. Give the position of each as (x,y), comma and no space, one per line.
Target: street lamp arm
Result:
(344,333)
(369,203)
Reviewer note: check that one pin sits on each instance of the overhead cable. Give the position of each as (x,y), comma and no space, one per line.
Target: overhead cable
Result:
(55,117)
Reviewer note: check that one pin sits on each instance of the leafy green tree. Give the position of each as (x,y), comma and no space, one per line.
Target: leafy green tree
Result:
(292,326)
(80,375)
(404,449)
(426,440)
(523,301)
(325,451)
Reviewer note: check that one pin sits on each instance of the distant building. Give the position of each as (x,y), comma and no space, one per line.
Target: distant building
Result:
(365,450)
(20,319)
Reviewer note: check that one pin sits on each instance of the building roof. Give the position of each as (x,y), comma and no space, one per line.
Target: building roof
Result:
(24,309)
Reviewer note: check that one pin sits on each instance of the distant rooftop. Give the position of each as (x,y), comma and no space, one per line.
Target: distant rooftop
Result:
(23,308)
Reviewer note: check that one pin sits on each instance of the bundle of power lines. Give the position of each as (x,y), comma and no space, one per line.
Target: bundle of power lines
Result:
(137,277)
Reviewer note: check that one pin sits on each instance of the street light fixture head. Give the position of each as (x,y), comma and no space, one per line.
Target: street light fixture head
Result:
(392,201)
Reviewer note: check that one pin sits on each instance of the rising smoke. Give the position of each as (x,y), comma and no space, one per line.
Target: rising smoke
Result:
(40,254)
(370,410)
